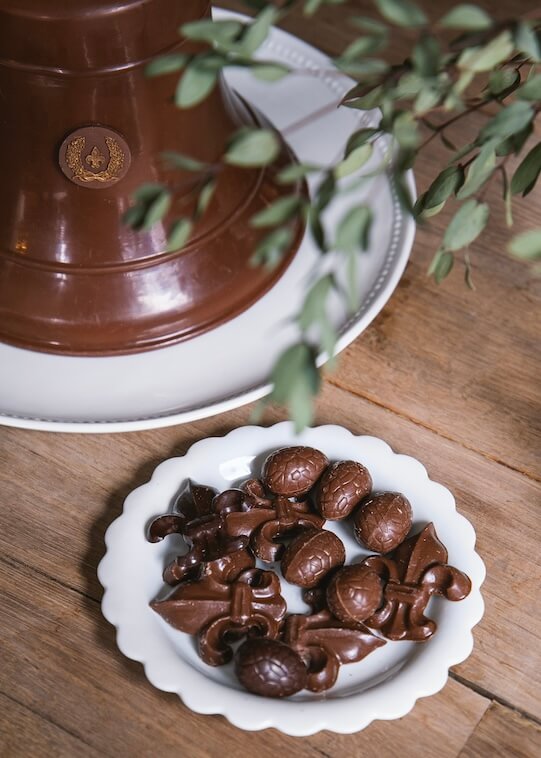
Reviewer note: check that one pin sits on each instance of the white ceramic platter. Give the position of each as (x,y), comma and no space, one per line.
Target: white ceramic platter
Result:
(385,685)
(230,365)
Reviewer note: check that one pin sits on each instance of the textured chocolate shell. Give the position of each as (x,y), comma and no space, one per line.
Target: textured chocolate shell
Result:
(354,593)
(341,489)
(270,668)
(311,556)
(293,471)
(383,521)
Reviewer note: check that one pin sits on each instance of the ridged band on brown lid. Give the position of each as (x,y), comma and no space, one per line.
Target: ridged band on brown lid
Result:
(71,36)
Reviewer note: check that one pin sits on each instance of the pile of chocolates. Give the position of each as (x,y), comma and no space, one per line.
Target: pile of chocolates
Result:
(221,596)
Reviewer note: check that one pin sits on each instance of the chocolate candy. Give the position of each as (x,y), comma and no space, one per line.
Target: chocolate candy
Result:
(383,521)
(354,593)
(411,575)
(293,471)
(341,488)
(325,643)
(311,556)
(270,668)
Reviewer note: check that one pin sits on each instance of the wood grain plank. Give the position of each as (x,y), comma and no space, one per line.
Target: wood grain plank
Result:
(25,734)
(61,660)
(77,486)
(502,733)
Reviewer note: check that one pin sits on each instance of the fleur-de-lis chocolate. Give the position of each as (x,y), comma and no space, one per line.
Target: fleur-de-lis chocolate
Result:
(293,471)
(341,489)
(411,575)
(325,643)
(219,611)
(383,521)
(265,526)
(270,668)
(311,556)
(193,501)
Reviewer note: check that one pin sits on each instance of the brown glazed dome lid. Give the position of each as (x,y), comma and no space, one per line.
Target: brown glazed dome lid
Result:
(85,35)
(82,129)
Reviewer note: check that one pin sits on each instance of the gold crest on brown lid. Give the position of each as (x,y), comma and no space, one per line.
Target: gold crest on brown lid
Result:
(95,157)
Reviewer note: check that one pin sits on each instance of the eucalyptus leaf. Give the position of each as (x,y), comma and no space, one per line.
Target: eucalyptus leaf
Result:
(270,250)
(195,85)
(179,234)
(531,90)
(401,12)
(354,161)
(256,32)
(441,265)
(214,32)
(359,138)
(279,212)
(510,120)
(444,185)
(353,231)
(295,172)
(205,196)
(157,209)
(486,57)
(527,41)
(426,56)
(466,16)
(166,64)
(270,72)
(466,225)
(527,173)
(503,80)
(313,310)
(479,171)
(253,147)
(527,245)
(185,162)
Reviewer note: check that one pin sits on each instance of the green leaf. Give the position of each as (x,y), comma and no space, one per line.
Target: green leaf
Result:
(444,185)
(279,212)
(195,85)
(362,69)
(527,41)
(213,32)
(426,56)
(205,196)
(485,58)
(466,225)
(134,216)
(295,172)
(401,12)
(510,120)
(527,245)
(503,81)
(271,249)
(405,130)
(363,46)
(468,17)
(369,25)
(148,192)
(526,175)
(354,161)
(353,231)
(359,138)
(441,265)
(184,162)
(295,381)
(515,143)
(325,192)
(315,302)
(157,209)
(256,32)
(179,234)
(270,72)
(479,170)
(166,64)
(531,90)
(253,147)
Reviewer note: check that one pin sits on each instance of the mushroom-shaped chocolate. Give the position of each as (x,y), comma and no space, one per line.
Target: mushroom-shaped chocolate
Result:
(383,521)
(270,668)
(293,471)
(311,556)
(341,489)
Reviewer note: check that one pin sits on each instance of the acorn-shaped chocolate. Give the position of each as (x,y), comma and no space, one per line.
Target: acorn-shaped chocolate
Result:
(354,593)
(341,489)
(311,556)
(293,471)
(270,668)
(383,521)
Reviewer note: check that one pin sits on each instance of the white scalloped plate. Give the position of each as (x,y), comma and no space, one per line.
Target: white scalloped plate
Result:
(383,686)
(230,365)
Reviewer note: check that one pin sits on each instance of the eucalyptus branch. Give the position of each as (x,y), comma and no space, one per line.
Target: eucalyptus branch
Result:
(486,63)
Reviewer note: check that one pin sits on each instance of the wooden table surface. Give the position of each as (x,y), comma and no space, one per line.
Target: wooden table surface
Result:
(444,374)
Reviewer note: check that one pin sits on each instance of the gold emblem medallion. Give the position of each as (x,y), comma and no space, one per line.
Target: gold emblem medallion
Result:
(95,157)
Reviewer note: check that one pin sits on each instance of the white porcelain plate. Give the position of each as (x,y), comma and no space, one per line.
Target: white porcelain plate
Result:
(230,365)
(385,685)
